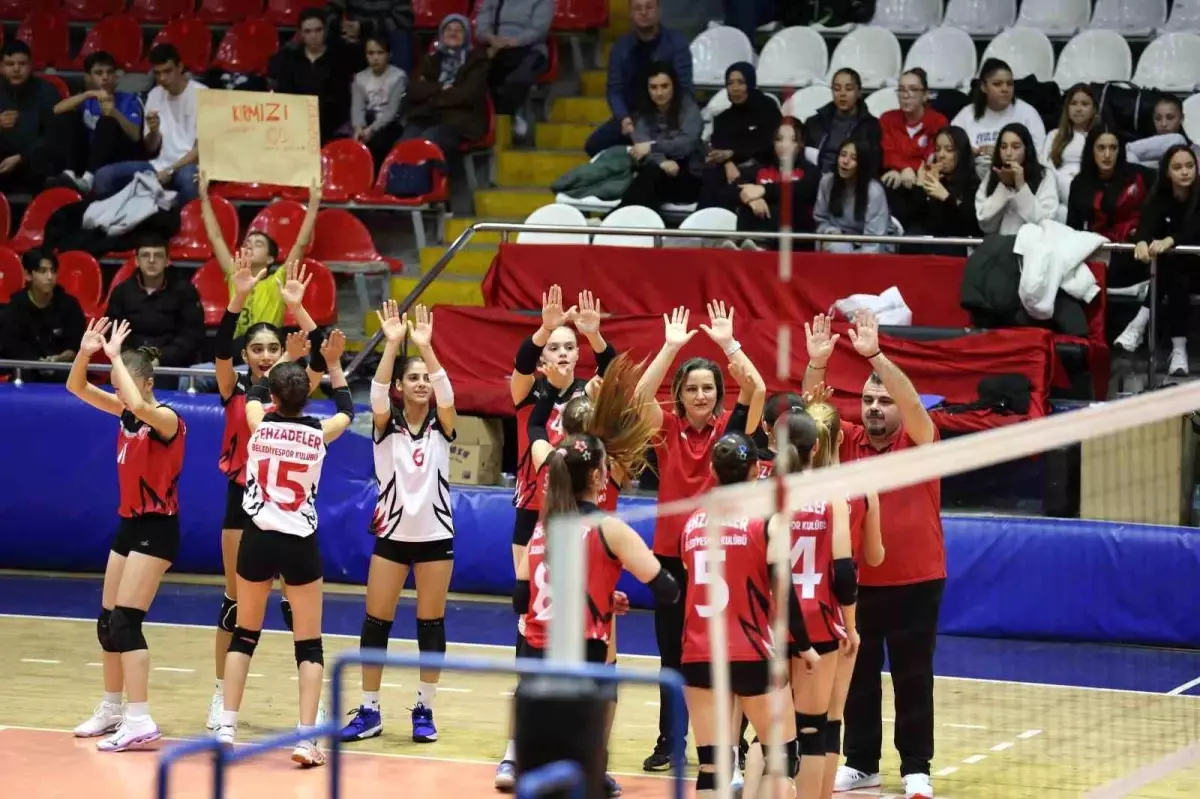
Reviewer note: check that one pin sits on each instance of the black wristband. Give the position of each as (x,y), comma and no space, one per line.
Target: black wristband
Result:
(223,346)
(343,401)
(526,362)
(316,361)
(603,359)
(260,392)
(520,597)
(876,355)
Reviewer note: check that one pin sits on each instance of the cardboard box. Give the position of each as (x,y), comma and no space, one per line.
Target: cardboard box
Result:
(475,453)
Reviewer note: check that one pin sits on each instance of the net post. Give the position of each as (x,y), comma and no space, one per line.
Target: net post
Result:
(568,581)
(779,551)
(719,648)
(1152,327)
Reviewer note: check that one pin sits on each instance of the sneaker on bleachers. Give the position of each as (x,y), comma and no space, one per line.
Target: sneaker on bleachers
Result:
(81,183)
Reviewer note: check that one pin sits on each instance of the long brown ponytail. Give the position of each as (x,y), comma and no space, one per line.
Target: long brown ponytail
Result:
(617,418)
(568,472)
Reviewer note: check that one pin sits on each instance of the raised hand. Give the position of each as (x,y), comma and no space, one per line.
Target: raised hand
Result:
(332,348)
(720,324)
(420,327)
(244,279)
(676,333)
(819,339)
(587,320)
(865,334)
(93,337)
(592,389)
(817,394)
(116,337)
(297,280)
(391,323)
(298,346)
(553,315)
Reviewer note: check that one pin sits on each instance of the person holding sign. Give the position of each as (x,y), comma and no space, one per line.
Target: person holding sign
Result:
(169,136)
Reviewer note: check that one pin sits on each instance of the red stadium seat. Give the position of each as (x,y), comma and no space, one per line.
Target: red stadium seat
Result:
(192,38)
(12,276)
(551,74)
(430,13)
(281,220)
(58,83)
(213,289)
(247,47)
(79,275)
(248,192)
(416,152)
(285,13)
(5,219)
(159,11)
(191,242)
(320,299)
(228,12)
(33,224)
(17,9)
(579,15)
(48,38)
(120,36)
(346,170)
(341,236)
(124,273)
(89,10)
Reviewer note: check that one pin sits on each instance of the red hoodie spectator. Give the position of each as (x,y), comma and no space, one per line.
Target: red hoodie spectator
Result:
(906,147)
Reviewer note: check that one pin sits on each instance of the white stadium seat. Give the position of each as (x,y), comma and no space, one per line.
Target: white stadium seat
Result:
(883,100)
(1185,16)
(1139,18)
(1171,63)
(714,50)
(630,216)
(909,17)
(873,52)
(556,214)
(1094,56)
(1055,17)
(805,102)
(947,55)
(1027,51)
(1191,117)
(793,57)
(981,17)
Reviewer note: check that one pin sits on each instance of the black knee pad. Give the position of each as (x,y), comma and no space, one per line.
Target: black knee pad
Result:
(126,624)
(706,781)
(375,633)
(244,641)
(706,755)
(431,635)
(833,737)
(228,618)
(791,751)
(310,650)
(104,631)
(520,643)
(810,732)
(285,608)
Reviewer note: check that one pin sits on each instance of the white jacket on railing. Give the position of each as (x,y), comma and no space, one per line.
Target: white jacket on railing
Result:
(1054,257)
(129,207)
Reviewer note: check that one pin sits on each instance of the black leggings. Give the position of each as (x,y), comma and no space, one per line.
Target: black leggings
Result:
(1174,294)
(668,632)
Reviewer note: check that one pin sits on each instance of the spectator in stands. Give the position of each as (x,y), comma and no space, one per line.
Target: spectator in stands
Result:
(628,65)
(666,150)
(447,102)
(515,32)
(1168,132)
(97,127)
(993,106)
(942,202)
(323,70)
(162,307)
(375,98)
(43,322)
(26,110)
(760,189)
(748,15)
(1064,147)
(1107,195)
(1019,190)
(908,132)
(845,118)
(743,135)
(850,201)
(169,138)
(354,21)
(1171,218)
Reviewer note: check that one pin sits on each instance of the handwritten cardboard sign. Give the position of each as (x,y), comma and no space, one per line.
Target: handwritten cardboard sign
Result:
(259,137)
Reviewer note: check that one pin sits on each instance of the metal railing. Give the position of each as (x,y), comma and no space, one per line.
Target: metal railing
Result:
(223,757)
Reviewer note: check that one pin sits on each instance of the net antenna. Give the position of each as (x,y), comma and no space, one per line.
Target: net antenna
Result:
(780,554)
(716,601)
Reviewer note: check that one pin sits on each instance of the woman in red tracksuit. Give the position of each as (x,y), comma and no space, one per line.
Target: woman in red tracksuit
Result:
(908,132)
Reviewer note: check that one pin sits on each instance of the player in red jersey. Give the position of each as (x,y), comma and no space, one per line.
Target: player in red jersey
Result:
(866,546)
(776,406)
(554,352)
(577,472)
(825,580)
(742,590)
(687,434)
(150,447)
(263,348)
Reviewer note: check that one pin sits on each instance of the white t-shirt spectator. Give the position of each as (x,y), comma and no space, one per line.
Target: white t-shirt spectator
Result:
(1072,161)
(985,131)
(176,122)
(1004,210)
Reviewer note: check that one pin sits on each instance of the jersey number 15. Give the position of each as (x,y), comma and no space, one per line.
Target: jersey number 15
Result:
(282,479)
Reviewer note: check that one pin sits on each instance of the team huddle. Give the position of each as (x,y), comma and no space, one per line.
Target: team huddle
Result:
(581,442)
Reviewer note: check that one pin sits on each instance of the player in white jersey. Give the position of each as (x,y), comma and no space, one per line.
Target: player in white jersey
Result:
(414,528)
(283,469)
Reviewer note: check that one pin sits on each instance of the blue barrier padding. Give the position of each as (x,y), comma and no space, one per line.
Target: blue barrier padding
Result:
(1008,576)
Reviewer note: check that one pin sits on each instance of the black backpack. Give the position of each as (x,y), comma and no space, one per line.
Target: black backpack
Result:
(1005,394)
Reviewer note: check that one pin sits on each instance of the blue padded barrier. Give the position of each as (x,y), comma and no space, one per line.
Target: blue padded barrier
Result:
(1057,579)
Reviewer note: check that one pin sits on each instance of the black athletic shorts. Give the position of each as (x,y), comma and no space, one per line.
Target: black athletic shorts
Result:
(523,525)
(746,678)
(152,534)
(822,647)
(235,517)
(266,553)
(594,652)
(409,553)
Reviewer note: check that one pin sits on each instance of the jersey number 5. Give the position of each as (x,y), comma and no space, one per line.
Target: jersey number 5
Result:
(717,589)
(804,558)
(541,605)
(283,479)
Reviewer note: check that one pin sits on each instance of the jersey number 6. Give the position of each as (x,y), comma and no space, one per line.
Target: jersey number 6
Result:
(717,590)
(283,472)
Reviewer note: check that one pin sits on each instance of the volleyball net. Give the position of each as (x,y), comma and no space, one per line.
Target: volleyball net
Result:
(1076,679)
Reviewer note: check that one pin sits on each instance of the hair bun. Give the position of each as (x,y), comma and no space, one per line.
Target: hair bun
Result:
(150,352)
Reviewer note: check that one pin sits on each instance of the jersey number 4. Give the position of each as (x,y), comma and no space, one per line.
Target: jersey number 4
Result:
(717,590)
(804,558)
(282,479)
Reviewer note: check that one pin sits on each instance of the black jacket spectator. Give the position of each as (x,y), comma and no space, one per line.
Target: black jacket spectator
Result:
(319,69)
(353,21)
(26,114)
(942,203)
(743,135)
(169,319)
(1108,194)
(447,97)
(33,332)
(845,118)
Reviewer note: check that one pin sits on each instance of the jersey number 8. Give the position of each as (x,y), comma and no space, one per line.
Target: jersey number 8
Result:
(717,591)
(541,605)
(283,479)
